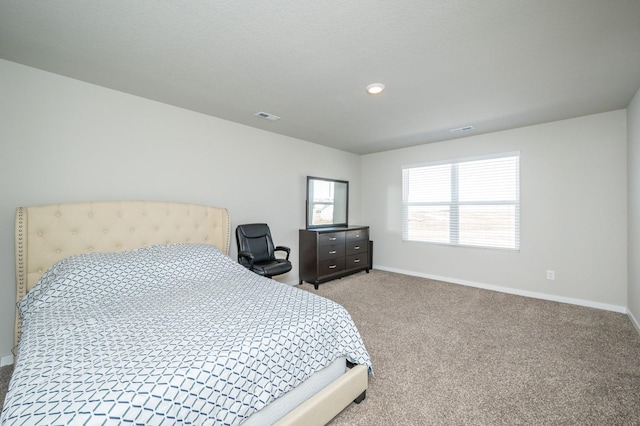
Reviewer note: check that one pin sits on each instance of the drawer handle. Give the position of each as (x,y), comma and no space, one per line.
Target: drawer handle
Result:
(332,238)
(332,252)
(332,266)
(356,248)
(356,260)
(357,235)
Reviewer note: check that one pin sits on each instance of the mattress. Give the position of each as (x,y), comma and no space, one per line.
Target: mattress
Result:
(168,334)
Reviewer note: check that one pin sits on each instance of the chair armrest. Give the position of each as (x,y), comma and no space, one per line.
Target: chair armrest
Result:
(246,255)
(283,248)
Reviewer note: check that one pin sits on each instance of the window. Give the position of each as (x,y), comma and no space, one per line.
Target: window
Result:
(465,202)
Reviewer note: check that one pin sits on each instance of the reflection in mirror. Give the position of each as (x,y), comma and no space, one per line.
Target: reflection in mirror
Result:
(327,202)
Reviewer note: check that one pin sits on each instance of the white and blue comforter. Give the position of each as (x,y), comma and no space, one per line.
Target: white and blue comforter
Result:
(165,335)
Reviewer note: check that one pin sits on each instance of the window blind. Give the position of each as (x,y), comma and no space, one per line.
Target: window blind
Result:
(466,202)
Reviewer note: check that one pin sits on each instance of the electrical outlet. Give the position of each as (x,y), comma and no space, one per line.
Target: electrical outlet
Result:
(551,275)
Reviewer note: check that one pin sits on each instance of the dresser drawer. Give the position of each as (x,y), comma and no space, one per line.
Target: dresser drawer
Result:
(358,235)
(356,247)
(330,266)
(356,261)
(329,252)
(330,238)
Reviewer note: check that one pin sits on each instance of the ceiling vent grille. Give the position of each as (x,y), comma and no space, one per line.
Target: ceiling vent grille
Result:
(267,116)
(462,129)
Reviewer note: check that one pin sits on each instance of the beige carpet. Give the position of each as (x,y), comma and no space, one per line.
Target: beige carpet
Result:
(5,378)
(447,354)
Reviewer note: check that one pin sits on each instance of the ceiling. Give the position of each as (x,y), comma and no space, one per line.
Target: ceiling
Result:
(491,64)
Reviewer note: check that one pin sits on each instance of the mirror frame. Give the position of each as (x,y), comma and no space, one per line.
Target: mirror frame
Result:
(345,200)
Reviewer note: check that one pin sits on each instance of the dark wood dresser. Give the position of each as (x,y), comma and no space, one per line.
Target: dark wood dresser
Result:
(330,253)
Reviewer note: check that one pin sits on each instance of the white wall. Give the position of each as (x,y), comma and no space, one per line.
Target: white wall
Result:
(573,213)
(633,163)
(62,140)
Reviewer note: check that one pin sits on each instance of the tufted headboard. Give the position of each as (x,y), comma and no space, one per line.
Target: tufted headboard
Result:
(47,234)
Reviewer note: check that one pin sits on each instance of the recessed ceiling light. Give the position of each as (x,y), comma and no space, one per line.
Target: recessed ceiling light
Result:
(375,88)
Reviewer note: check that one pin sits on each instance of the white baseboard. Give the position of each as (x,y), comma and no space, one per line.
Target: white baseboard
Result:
(6,360)
(532,294)
(634,321)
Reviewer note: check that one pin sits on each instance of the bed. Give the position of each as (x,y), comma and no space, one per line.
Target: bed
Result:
(135,314)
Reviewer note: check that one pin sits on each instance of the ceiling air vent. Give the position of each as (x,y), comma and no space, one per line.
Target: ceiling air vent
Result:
(462,129)
(267,116)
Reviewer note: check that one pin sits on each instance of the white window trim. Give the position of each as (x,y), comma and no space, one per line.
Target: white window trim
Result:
(455,204)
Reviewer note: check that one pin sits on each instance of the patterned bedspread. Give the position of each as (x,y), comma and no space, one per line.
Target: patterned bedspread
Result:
(164,335)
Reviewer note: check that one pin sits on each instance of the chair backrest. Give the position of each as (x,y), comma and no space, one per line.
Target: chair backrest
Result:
(256,238)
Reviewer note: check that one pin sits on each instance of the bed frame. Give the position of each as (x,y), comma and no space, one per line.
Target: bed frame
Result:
(47,234)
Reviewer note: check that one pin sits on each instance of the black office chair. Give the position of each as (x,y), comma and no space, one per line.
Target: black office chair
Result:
(257,252)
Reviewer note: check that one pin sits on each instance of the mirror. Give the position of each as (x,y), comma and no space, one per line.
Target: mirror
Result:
(327,202)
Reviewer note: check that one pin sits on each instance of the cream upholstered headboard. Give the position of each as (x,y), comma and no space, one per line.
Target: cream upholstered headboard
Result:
(47,234)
